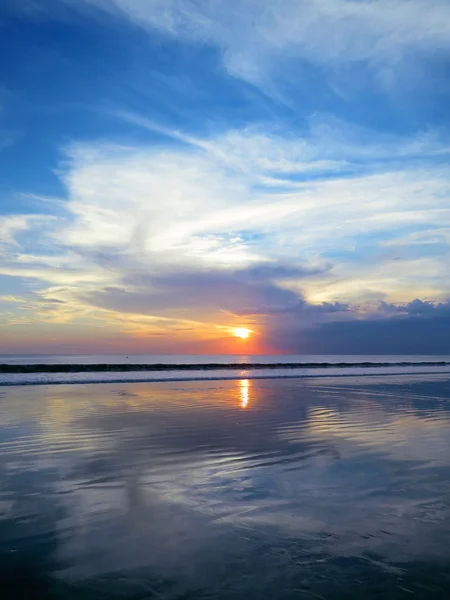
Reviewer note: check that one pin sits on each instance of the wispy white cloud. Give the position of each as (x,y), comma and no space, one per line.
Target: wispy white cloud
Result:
(257,37)
(11,226)
(326,145)
(138,217)
(9,137)
(241,222)
(185,205)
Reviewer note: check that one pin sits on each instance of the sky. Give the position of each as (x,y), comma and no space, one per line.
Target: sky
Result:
(171,170)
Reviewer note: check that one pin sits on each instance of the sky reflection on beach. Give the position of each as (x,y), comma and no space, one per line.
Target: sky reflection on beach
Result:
(203,485)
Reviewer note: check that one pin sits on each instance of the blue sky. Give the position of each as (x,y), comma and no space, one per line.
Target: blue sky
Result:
(172,169)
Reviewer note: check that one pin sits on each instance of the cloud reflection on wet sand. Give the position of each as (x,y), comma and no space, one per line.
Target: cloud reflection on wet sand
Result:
(177,482)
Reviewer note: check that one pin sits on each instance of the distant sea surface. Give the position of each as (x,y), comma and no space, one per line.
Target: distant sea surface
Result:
(36,369)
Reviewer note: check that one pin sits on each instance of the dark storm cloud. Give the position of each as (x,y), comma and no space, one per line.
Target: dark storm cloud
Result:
(243,291)
(419,327)
(301,307)
(416,308)
(287,321)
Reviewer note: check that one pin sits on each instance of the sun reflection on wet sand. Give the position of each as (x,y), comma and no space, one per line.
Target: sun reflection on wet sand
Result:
(316,473)
(245,385)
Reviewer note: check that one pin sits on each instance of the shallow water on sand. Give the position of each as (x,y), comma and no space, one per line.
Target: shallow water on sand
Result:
(266,489)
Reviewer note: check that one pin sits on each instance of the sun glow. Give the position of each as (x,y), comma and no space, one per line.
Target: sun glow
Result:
(242,332)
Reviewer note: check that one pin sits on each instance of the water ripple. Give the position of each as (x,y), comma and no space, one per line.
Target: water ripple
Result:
(228,489)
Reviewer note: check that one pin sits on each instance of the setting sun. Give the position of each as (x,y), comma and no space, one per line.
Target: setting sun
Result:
(242,332)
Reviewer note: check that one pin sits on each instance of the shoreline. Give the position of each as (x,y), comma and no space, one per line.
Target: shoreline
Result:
(220,378)
(127,367)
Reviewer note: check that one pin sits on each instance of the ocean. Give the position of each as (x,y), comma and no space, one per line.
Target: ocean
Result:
(128,368)
(327,481)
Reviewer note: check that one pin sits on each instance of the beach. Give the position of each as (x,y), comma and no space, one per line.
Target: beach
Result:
(321,487)
(225,300)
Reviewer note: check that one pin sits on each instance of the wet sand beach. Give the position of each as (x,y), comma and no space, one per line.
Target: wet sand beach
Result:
(280,488)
